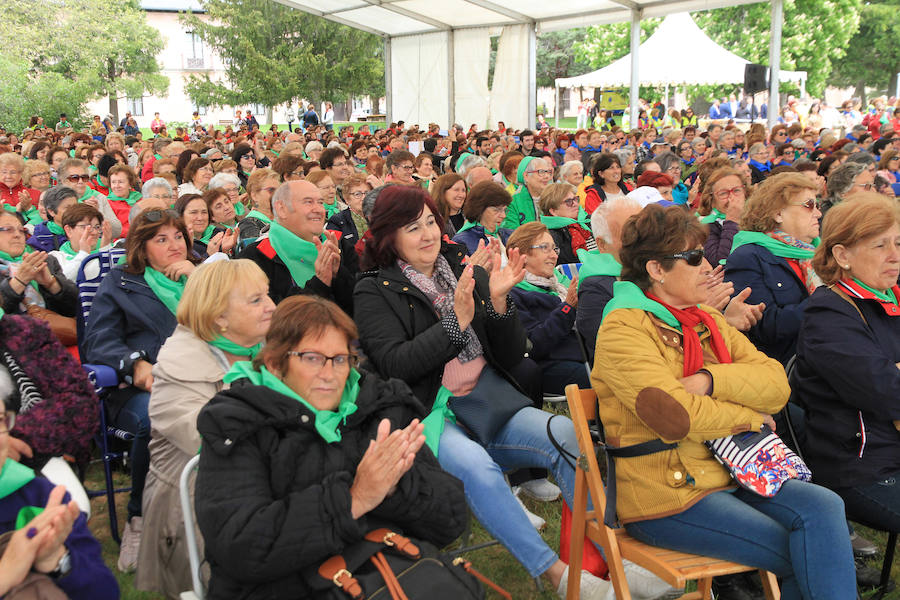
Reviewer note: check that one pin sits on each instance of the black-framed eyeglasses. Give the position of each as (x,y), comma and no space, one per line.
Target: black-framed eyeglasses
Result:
(692,257)
(571,202)
(7,422)
(317,360)
(156,215)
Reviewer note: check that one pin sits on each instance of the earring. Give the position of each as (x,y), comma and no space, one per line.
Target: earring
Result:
(846,267)
(662,281)
(224,328)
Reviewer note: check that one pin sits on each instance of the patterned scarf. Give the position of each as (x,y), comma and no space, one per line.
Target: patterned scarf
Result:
(803,267)
(886,299)
(440,289)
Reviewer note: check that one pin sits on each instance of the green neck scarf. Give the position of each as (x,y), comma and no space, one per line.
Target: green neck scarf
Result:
(207,234)
(595,263)
(32,215)
(298,254)
(530,287)
(628,295)
(776,247)
(327,421)
(131,199)
(226,345)
(582,219)
(331,209)
(239,209)
(715,215)
(14,477)
(70,252)
(157,156)
(88,192)
(8,258)
(883,295)
(169,292)
(258,215)
(470,225)
(436,419)
(55,228)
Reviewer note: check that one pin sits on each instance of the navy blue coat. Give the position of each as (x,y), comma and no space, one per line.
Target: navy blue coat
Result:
(343,222)
(470,237)
(126,317)
(849,382)
(548,321)
(593,295)
(45,240)
(774,282)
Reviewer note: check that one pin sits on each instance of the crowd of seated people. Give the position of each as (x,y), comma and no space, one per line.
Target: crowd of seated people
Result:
(305,310)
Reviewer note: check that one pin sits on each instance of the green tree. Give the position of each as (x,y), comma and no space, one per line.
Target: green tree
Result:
(25,93)
(873,55)
(603,44)
(555,58)
(815,34)
(97,48)
(274,54)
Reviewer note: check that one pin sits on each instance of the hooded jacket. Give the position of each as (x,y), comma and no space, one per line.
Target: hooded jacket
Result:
(273,498)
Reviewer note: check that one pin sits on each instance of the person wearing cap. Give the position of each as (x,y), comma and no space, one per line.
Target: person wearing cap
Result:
(533,175)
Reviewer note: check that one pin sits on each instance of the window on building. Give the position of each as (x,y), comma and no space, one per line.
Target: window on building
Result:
(258,109)
(194,51)
(200,109)
(566,99)
(135,106)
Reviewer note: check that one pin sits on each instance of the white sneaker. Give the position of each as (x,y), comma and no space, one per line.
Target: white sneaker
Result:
(644,585)
(540,489)
(536,521)
(592,587)
(131,541)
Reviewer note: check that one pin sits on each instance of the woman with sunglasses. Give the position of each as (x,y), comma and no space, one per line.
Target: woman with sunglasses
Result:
(568,224)
(669,368)
(304,454)
(132,314)
(847,180)
(771,255)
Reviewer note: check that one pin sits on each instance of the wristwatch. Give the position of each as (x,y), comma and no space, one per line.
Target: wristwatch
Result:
(63,567)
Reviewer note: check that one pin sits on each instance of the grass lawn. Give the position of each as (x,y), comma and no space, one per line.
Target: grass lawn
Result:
(494,561)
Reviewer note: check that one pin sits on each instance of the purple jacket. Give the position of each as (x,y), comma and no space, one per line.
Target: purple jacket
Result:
(89,578)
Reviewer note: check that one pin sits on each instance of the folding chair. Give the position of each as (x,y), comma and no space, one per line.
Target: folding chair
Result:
(187,509)
(91,273)
(675,568)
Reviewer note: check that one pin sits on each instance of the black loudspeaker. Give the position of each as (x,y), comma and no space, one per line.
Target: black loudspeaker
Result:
(756,78)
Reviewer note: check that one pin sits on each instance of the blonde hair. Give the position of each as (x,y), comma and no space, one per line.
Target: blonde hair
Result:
(31,167)
(208,292)
(847,224)
(11,159)
(707,201)
(258,176)
(769,197)
(525,236)
(553,195)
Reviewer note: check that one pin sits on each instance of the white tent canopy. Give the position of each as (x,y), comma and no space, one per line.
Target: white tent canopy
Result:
(662,61)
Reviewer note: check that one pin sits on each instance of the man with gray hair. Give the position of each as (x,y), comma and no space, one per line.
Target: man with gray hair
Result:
(600,268)
(297,256)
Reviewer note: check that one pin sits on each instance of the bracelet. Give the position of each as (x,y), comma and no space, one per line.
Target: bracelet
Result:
(16,277)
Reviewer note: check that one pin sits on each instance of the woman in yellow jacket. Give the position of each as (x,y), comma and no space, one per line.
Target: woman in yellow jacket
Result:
(669,369)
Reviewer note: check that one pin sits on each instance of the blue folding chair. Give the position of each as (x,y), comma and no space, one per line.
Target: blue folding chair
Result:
(92,271)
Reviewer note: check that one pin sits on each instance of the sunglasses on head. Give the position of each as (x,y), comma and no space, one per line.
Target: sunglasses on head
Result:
(691,257)
(156,215)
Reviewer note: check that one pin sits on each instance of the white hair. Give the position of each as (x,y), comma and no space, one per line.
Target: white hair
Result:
(569,166)
(469,163)
(600,216)
(222,179)
(312,146)
(156,182)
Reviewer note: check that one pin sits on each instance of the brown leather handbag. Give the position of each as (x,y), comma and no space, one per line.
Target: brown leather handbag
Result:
(63,328)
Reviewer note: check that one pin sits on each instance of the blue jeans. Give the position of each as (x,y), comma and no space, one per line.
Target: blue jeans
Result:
(557,374)
(522,442)
(800,534)
(133,417)
(876,504)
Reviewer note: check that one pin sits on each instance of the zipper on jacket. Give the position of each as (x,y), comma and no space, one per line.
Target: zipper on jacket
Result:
(862,434)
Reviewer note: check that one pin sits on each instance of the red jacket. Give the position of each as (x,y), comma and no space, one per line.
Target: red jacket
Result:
(147,171)
(11,195)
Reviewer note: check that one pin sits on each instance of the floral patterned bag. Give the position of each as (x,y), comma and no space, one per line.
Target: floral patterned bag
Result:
(759,461)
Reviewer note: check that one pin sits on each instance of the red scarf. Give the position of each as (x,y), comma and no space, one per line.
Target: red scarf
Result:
(693,353)
(854,290)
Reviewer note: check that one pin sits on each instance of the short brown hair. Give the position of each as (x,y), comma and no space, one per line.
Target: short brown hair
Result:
(132,178)
(255,181)
(653,233)
(210,197)
(847,224)
(78,212)
(439,190)
(509,164)
(317,176)
(286,164)
(524,236)
(356,179)
(553,195)
(707,202)
(296,318)
(143,228)
(194,165)
(483,195)
(162,162)
(770,196)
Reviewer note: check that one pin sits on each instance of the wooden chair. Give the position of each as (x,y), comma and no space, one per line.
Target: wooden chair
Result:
(676,568)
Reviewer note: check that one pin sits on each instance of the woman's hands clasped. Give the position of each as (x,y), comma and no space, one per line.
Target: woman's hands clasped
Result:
(389,456)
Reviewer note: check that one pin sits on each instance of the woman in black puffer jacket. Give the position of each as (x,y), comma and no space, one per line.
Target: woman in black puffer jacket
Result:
(289,472)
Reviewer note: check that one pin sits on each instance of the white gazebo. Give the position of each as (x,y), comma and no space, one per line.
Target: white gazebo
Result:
(436,54)
(662,63)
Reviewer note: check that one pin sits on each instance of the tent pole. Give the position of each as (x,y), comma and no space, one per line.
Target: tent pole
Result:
(388,101)
(635,70)
(558,107)
(774,107)
(451,80)
(532,75)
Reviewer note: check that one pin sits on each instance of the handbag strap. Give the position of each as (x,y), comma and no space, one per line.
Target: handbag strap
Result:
(392,538)
(390,580)
(471,570)
(335,570)
(642,449)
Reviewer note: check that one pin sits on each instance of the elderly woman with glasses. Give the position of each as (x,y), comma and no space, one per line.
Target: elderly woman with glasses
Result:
(14,194)
(351,222)
(772,255)
(132,314)
(196,176)
(846,181)
(86,233)
(533,175)
(721,206)
(232,185)
(304,454)
(261,185)
(569,225)
(37,175)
